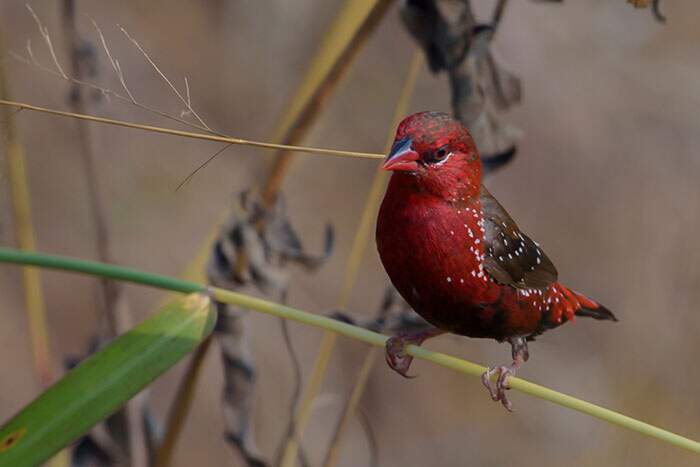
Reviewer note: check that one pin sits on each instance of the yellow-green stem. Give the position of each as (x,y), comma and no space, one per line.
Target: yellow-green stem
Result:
(9,255)
(24,229)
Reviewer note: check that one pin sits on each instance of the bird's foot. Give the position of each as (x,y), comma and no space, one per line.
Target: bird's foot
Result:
(498,388)
(397,357)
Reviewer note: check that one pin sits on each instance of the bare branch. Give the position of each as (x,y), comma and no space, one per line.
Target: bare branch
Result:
(115,63)
(189,134)
(201,166)
(189,98)
(45,34)
(165,78)
(30,52)
(108,93)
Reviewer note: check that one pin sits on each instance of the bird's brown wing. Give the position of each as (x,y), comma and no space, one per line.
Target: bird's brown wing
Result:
(511,257)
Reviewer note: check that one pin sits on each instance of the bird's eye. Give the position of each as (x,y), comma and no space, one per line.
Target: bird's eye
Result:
(440,154)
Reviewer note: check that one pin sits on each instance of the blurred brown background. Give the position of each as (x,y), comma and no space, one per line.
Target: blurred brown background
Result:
(606,179)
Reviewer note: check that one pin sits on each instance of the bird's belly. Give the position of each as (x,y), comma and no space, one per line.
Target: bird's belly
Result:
(434,262)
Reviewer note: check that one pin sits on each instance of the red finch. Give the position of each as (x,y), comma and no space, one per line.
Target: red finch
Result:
(457,257)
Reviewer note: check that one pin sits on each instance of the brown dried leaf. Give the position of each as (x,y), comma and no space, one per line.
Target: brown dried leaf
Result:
(256,245)
(480,88)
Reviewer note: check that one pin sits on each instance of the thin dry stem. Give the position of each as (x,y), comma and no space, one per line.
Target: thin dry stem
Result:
(350,406)
(115,63)
(301,418)
(116,67)
(181,405)
(189,98)
(47,39)
(189,134)
(186,102)
(201,166)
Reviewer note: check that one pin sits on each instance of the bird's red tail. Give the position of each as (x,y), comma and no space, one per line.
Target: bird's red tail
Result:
(589,308)
(566,304)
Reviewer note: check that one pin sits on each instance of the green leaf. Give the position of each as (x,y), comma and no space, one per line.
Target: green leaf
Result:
(105,381)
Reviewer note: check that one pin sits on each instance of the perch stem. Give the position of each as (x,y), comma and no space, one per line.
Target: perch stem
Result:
(29,258)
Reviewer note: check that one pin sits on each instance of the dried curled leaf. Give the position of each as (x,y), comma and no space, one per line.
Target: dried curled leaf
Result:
(255,246)
(454,43)
(239,383)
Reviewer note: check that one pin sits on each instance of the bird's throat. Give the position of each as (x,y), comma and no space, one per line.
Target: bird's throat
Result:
(448,187)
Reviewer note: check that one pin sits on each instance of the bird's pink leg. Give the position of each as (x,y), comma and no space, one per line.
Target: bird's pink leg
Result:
(396,355)
(498,389)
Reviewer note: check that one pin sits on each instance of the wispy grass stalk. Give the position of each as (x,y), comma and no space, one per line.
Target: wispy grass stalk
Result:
(190,134)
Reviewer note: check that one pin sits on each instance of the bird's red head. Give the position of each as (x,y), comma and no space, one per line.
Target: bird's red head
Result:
(437,152)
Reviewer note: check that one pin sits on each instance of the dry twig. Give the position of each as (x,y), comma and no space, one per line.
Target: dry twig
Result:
(58,71)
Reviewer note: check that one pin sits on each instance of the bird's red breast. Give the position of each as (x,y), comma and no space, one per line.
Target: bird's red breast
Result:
(453,252)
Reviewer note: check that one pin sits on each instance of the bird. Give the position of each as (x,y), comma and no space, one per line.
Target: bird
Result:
(458,258)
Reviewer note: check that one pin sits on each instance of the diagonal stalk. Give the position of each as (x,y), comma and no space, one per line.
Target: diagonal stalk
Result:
(357,252)
(350,276)
(181,406)
(352,27)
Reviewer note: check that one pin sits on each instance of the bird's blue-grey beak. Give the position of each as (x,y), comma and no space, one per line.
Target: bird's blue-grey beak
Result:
(402,157)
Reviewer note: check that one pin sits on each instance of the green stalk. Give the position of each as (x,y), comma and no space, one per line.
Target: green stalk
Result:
(94,268)
(347,330)
(105,381)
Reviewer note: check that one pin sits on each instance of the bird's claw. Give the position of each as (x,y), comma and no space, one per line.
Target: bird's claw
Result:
(497,389)
(396,356)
